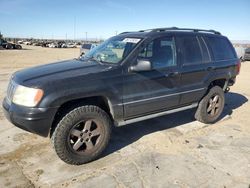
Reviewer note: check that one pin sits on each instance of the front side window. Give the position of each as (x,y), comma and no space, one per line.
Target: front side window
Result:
(113,50)
(160,52)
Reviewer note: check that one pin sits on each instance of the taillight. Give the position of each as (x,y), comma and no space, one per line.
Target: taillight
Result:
(238,66)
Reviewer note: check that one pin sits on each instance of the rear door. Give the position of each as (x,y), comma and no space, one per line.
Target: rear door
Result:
(155,90)
(196,66)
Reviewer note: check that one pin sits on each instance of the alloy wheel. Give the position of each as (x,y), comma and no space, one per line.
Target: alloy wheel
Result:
(85,136)
(214,105)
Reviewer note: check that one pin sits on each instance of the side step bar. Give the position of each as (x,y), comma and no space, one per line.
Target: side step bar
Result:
(125,122)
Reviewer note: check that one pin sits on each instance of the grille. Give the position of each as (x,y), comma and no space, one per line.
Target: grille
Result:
(11,90)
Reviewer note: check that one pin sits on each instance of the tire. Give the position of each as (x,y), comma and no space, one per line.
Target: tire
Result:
(18,47)
(9,46)
(76,139)
(211,106)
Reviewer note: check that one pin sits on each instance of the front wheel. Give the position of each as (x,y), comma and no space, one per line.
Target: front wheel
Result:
(82,135)
(211,106)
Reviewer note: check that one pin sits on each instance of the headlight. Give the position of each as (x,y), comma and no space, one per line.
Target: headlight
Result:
(26,96)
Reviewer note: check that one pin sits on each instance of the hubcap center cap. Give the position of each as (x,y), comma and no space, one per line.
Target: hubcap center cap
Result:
(85,136)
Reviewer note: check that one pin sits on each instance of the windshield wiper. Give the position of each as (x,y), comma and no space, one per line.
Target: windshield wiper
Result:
(96,60)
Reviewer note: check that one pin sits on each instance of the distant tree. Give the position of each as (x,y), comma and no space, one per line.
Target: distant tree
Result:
(1,36)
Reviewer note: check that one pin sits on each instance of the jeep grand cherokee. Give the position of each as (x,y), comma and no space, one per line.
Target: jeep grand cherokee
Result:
(131,77)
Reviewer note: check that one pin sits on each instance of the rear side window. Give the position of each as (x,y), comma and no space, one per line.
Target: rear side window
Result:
(189,48)
(221,48)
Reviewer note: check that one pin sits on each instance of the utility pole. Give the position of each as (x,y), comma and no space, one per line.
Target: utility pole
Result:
(74,28)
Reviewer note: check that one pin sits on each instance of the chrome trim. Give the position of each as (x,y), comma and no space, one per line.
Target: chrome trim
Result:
(125,122)
(141,100)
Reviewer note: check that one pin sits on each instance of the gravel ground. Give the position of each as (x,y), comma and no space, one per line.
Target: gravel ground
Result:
(171,151)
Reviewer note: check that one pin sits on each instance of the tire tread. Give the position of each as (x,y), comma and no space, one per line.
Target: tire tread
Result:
(201,114)
(58,136)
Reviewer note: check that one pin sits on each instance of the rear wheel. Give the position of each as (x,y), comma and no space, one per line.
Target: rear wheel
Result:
(211,106)
(82,135)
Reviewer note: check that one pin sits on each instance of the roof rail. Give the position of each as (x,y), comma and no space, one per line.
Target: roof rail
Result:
(180,29)
(177,29)
(124,32)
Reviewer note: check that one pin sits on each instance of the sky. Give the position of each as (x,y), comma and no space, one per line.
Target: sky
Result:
(61,19)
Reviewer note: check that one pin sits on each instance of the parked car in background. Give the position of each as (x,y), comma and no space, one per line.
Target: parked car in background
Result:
(53,45)
(20,42)
(27,43)
(63,45)
(240,51)
(246,56)
(9,45)
(86,48)
(71,45)
(45,44)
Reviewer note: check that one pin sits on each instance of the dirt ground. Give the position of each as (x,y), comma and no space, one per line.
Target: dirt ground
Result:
(171,151)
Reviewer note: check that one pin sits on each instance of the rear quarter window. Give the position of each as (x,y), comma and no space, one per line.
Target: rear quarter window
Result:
(221,48)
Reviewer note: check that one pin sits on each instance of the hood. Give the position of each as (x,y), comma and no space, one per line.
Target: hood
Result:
(59,70)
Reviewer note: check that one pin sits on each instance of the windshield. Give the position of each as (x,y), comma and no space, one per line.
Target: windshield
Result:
(113,50)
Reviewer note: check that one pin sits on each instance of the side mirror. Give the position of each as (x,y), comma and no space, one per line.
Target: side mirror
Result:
(142,65)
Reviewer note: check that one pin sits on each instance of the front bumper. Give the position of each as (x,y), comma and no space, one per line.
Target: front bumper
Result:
(35,120)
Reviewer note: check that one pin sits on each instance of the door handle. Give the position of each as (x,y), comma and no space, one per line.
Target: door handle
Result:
(172,74)
(210,68)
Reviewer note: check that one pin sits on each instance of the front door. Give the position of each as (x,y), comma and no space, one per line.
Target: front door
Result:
(153,91)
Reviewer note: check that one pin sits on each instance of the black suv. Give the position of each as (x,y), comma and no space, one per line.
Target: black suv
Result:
(131,77)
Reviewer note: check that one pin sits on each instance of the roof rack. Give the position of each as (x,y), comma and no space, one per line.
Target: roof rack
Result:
(125,32)
(180,29)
